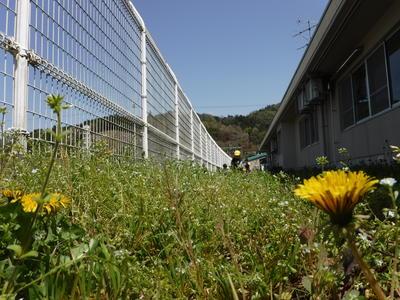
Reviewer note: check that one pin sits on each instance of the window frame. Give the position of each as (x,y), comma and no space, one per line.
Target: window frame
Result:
(383,45)
(363,66)
(387,38)
(351,107)
(349,75)
(308,129)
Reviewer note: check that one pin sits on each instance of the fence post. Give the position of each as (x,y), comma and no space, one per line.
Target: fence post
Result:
(135,145)
(177,138)
(210,155)
(201,144)
(21,67)
(145,137)
(206,147)
(86,137)
(191,133)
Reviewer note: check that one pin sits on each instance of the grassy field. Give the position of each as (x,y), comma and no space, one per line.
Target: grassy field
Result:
(142,230)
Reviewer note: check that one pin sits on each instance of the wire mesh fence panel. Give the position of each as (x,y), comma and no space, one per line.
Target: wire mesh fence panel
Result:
(7,17)
(99,56)
(161,147)
(198,159)
(209,157)
(86,122)
(160,93)
(185,154)
(213,148)
(203,143)
(98,45)
(196,135)
(7,65)
(185,137)
(96,42)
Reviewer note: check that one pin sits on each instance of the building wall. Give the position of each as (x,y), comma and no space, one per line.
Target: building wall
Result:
(368,140)
(371,138)
(306,156)
(289,146)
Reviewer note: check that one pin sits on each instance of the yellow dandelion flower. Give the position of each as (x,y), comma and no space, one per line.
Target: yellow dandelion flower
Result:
(12,195)
(7,193)
(55,202)
(51,206)
(65,201)
(336,192)
(30,202)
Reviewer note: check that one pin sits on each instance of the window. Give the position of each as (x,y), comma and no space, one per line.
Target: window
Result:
(346,103)
(278,141)
(304,138)
(308,130)
(360,95)
(365,92)
(377,82)
(274,145)
(393,53)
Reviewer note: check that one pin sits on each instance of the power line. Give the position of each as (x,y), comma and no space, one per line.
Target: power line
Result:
(229,106)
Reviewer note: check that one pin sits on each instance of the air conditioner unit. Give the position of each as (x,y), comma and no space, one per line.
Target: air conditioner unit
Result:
(310,93)
(303,101)
(315,90)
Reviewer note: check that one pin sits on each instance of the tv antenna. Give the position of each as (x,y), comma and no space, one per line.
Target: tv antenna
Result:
(305,33)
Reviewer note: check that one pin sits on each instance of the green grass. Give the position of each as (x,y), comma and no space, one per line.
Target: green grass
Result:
(143,230)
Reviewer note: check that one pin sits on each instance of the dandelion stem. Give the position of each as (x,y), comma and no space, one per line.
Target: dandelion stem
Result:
(364,267)
(53,156)
(28,238)
(3,140)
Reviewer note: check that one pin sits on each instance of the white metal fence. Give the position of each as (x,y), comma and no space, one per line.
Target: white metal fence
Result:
(99,55)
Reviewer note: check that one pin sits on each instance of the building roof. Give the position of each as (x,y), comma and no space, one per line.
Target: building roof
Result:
(257,156)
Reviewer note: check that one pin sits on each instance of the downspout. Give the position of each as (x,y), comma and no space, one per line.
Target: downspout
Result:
(324,128)
(333,113)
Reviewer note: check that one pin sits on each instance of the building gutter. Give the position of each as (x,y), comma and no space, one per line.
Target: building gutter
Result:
(325,23)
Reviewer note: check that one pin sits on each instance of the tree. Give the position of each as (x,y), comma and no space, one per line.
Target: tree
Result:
(245,131)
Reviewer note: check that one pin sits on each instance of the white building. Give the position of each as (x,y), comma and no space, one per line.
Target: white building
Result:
(346,89)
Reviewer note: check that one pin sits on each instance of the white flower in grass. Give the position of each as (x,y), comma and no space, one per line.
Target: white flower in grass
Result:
(388,181)
(379,262)
(389,214)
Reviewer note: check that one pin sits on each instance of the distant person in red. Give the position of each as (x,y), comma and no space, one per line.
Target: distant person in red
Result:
(236,160)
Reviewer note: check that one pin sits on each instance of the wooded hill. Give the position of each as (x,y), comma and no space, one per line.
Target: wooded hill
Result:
(241,131)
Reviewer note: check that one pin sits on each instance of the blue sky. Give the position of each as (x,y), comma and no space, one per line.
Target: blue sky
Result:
(230,56)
